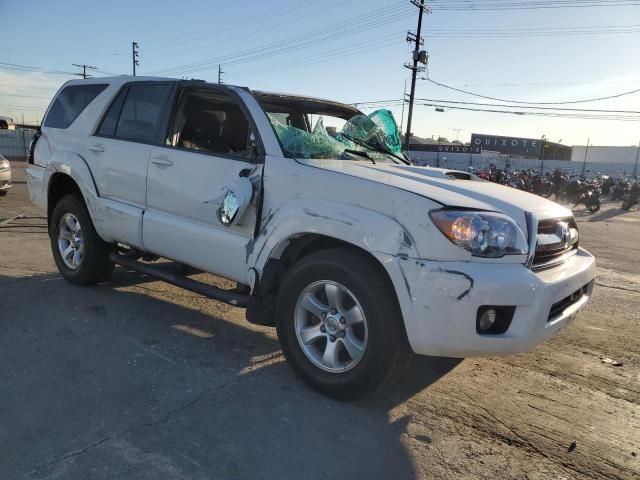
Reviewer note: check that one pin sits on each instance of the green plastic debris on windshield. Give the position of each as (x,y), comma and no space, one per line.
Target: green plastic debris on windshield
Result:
(378,128)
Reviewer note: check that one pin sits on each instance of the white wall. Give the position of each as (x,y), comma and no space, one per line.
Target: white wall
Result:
(605,154)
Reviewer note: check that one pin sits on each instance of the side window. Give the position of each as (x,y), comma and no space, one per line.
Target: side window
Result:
(110,120)
(211,122)
(70,103)
(136,113)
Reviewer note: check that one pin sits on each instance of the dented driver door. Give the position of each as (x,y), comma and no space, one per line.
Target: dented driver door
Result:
(209,147)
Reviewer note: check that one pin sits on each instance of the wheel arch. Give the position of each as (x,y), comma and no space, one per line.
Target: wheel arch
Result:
(68,173)
(286,254)
(60,185)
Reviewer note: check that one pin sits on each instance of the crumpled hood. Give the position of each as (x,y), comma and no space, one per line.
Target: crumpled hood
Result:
(435,184)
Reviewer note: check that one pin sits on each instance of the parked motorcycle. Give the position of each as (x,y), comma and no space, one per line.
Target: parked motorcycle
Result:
(632,197)
(580,192)
(620,189)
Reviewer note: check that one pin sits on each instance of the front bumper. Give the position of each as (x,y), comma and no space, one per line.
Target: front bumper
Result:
(444,297)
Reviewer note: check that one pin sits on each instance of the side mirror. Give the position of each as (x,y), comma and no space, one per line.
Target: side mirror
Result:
(235,201)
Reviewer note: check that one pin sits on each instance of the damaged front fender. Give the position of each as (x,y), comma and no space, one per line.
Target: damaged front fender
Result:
(372,231)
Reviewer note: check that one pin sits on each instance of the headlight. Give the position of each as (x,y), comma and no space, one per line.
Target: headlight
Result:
(4,165)
(484,234)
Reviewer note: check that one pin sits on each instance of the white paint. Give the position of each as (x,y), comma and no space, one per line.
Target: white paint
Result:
(171,210)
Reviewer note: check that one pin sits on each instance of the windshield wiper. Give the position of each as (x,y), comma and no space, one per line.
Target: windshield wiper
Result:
(373,146)
(360,154)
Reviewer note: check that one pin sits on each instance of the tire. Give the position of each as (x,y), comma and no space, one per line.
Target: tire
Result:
(92,265)
(627,203)
(386,351)
(3,193)
(594,205)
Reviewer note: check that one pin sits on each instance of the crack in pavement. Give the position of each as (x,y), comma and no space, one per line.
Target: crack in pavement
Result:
(163,419)
(617,288)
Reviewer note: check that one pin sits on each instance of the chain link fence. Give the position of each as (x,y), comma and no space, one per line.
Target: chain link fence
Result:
(462,161)
(14,144)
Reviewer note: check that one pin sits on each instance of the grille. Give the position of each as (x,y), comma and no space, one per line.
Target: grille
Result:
(551,247)
(559,307)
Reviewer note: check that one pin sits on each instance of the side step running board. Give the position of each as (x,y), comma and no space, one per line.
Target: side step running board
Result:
(206,290)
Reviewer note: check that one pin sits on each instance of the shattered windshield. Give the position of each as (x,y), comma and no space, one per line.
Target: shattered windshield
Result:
(309,128)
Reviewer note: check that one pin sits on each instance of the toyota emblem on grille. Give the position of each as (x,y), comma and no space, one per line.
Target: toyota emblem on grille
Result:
(564,233)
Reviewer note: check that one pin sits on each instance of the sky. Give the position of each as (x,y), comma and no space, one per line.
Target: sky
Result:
(346,50)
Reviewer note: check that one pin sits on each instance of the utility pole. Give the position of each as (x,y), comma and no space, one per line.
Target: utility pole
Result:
(84,73)
(419,56)
(404,95)
(220,72)
(635,169)
(584,163)
(134,56)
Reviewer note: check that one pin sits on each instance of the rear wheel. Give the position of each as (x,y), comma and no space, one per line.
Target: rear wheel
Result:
(339,324)
(81,256)
(627,202)
(593,205)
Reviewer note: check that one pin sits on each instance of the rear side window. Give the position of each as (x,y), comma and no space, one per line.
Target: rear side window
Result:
(70,103)
(141,112)
(110,121)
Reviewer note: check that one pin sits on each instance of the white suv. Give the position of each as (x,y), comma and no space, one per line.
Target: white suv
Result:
(356,256)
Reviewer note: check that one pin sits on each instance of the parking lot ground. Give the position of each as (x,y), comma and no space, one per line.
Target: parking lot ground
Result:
(138,379)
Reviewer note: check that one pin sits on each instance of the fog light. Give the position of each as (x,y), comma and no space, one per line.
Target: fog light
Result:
(494,319)
(487,319)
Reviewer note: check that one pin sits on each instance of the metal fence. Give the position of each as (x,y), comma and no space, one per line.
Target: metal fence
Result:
(14,144)
(462,161)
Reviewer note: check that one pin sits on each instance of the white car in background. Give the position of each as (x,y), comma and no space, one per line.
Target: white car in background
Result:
(358,257)
(5,176)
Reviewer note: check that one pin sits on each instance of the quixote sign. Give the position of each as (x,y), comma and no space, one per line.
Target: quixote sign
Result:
(527,147)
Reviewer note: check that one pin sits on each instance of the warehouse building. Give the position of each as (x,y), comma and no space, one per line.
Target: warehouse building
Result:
(605,154)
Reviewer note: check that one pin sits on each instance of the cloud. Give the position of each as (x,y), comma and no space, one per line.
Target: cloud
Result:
(27,93)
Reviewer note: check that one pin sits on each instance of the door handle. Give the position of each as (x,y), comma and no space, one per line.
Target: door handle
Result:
(96,148)
(162,161)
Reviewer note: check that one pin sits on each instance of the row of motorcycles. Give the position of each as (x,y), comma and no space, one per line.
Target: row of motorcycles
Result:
(575,190)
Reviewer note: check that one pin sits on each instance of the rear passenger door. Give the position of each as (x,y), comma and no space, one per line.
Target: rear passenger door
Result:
(208,146)
(118,152)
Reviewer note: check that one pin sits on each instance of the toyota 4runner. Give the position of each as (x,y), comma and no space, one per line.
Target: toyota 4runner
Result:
(358,258)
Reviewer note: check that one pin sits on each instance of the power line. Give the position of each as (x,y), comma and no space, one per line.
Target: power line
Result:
(2,94)
(345,28)
(259,17)
(475,6)
(281,13)
(14,66)
(586,100)
(541,114)
(354,49)
(398,101)
(564,109)
(288,45)
(534,32)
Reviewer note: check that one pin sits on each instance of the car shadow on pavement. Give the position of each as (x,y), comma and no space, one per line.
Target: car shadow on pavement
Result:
(114,382)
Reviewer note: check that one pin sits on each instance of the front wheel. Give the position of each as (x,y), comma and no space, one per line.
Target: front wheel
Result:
(81,256)
(339,324)
(593,205)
